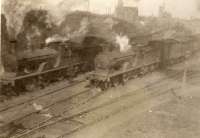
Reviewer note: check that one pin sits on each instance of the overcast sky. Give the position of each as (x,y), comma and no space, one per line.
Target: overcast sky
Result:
(178,8)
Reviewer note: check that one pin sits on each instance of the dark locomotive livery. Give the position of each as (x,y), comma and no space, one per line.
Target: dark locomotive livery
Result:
(32,69)
(113,67)
(61,58)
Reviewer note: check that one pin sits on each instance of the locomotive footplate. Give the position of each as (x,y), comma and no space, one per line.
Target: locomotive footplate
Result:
(106,79)
(33,81)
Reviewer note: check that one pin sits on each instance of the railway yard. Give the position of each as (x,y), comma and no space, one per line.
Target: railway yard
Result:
(160,104)
(82,74)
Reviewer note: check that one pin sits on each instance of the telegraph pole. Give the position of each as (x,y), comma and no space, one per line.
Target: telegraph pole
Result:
(184,80)
(184,77)
(88,5)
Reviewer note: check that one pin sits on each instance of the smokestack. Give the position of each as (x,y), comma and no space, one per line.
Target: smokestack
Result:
(88,6)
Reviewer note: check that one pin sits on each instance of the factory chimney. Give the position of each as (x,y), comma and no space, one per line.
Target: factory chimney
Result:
(120,4)
(119,8)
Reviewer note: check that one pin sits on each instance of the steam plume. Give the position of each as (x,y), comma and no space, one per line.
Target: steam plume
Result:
(15,11)
(67,33)
(123,42)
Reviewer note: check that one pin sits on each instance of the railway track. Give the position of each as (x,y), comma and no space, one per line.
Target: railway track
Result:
(37,97)
(152,94)
(151,87)
(46,107)
(134,103)
(40,96)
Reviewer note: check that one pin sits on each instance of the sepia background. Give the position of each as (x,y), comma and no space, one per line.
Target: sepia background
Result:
(100,69)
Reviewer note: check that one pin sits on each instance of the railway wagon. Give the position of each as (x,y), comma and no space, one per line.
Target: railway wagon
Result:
(144,59)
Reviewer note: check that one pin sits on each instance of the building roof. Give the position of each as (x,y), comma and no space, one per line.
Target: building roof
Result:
(135,9)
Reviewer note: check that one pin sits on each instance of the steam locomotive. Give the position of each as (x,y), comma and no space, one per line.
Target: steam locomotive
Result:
(31,69)
(113,67)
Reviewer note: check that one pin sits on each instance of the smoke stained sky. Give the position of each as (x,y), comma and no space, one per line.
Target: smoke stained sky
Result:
(178,8)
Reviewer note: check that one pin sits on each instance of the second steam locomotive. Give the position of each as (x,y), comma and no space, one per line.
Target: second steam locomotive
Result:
(113,67)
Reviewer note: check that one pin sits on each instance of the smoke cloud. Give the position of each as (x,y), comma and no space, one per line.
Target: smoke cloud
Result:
(61,8)
(15,10)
